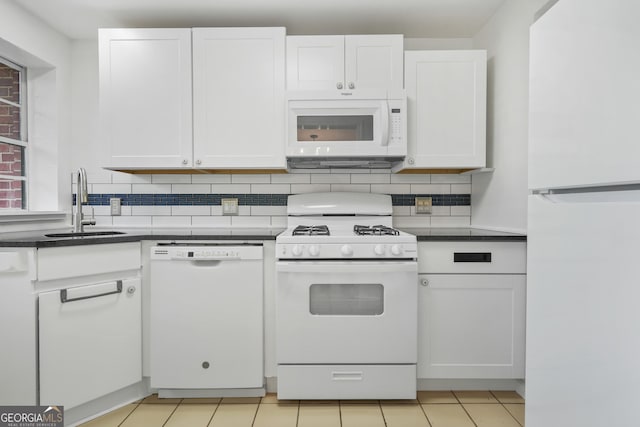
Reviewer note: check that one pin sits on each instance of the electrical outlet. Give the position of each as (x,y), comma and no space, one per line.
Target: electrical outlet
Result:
(423,205)
(115,204)
(229,206)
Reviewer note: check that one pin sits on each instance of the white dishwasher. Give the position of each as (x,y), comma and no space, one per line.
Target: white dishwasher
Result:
(206,311)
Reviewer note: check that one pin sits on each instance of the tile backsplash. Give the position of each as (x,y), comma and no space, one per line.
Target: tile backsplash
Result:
(173,200)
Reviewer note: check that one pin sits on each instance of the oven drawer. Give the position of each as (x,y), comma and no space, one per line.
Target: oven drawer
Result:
(346,382)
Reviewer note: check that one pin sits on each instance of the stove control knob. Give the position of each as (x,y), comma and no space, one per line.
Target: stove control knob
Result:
(379,250)
(396,250)
(346,250)
(296,250)
(314,250)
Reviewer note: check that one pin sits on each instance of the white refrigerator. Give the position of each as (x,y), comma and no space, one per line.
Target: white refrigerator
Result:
(583,282)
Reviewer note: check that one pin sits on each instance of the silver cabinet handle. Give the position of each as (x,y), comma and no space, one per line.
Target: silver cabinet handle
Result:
(198,162)
(410,160)
(424,282)
(63,294)
(352,85)
(185,161)
(131,290)
(339,85)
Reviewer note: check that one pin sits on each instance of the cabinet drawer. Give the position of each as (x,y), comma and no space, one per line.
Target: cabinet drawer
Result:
(472,257)
(346,381)
(87,260)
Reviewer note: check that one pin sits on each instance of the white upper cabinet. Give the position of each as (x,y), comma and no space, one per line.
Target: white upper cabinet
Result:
(446,97)
(344,62)
(238,97)
(231,117)
(145,97)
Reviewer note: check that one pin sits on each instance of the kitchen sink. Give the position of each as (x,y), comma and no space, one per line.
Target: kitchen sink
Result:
(86,234)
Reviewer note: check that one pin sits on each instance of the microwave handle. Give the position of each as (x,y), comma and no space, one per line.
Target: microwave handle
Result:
(384,122)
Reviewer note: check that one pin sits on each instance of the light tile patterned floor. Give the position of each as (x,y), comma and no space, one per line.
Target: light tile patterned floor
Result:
(431,409)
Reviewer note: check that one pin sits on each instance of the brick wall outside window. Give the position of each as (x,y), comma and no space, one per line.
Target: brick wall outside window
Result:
(11,156)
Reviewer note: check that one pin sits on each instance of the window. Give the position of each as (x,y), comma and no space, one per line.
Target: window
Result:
(13,136)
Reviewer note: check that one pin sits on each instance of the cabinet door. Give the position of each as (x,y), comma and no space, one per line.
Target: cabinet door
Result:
(239,97)
(315,62)
(374,62)
(446,97)
(471,326)
(91,344)
(145,97)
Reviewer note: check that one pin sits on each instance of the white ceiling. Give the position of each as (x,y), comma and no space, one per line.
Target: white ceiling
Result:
(79,19)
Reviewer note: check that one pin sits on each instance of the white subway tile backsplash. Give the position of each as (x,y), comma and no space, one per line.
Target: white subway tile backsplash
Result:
(430,189)
(460,188)
(171,221)
(410,178)
(278,221)
(176,214)
(150,188)
(390,188)
(103,221)
(356,188)
(270,188)
(401,210)
(333,178)
(439,210)
(171,179)
(131,221)
(190,188)
(268,210)
(290,178)
(230,188)
(150,210)
(451,221)
(211,221)
(371,178)
(251,179)
(211,179)
(251,221)
(190,210)
(129,178)
(242,210)
(460,210)
(111,188)
(412,221)
(310,188)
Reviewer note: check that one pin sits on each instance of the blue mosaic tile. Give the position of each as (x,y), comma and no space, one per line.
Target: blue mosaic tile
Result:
(253,199)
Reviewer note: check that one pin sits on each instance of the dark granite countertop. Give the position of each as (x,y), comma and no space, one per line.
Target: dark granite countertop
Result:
(38,239)
(463,234)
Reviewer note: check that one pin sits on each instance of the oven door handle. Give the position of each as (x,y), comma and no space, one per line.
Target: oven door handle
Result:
(346,267)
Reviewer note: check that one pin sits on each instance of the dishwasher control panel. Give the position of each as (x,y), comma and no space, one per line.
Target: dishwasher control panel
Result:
(204,253)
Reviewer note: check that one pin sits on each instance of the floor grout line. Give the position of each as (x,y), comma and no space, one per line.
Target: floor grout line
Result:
(172,412)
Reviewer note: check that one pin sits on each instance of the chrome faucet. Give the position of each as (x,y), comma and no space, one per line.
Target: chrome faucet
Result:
(82,196)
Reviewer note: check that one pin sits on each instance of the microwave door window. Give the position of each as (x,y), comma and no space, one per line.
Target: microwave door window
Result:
(335,128)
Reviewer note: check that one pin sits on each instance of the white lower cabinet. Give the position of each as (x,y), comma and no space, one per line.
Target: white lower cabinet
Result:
(90,341)
(471,317)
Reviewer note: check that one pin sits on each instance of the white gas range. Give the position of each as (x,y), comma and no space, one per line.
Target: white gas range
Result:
(346,317)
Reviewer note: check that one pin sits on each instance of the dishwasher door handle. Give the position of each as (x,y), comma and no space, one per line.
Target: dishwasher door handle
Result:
(63,294)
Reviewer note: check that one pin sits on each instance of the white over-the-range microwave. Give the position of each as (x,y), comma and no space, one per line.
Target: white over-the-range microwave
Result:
(329,129)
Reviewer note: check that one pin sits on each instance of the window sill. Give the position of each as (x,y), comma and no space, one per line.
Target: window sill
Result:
(26,216)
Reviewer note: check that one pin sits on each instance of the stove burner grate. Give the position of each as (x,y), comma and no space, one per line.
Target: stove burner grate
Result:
(374,230)
(311,230)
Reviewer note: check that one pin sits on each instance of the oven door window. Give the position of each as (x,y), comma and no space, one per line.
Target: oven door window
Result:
(346,299)
(335,128)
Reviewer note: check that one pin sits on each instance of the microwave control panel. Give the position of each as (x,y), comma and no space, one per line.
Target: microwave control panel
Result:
(396,125)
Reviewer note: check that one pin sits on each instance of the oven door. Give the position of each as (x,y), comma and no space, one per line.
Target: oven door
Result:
(342,312)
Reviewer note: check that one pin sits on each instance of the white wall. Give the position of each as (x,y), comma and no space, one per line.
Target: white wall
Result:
(29,41)
(499,199)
